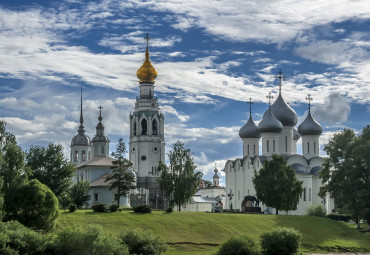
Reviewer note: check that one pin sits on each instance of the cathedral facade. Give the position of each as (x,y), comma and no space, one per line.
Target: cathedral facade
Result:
(277,135)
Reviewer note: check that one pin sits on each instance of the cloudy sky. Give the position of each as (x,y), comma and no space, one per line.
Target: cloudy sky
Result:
(211,56)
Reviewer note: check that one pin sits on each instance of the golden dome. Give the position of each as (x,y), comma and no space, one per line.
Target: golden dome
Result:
(147,72)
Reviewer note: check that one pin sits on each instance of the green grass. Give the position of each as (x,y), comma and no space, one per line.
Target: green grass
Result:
(201,233)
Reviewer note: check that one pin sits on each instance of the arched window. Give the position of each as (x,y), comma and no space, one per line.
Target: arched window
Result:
(144,127)
(75,158)
(248,149)
(134,127)
(154,127)
(83,156)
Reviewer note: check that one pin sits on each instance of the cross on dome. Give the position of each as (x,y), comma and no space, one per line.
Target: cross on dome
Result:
(100,117)
(147,38)
(281,78)
(269,97)
(250,106)
(309,99)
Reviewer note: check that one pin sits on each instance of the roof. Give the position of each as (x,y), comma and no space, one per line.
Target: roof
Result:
(198,199)
(99,160)
(100,182)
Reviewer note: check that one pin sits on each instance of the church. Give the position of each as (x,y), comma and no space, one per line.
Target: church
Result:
(146,148)
(277,134)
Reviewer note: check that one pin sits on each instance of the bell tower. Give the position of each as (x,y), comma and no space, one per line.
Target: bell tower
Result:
(146,144)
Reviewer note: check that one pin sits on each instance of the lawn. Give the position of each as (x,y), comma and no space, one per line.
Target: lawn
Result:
(201,233)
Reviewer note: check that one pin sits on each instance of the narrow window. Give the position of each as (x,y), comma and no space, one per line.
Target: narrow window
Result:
(314,147)
(115,196)
(134,127)
(154,127)
(75,158)
(267,146)
(96,197)
(286,143)
(88,155)
(309,194)
(304,194)
(254,149)
(238,194)
(273,146)
(102,150)
(248,149)
(83,156)
(308,147)
(144,127)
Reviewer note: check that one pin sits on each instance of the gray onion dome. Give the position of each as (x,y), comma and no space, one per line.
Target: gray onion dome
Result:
(269,123)
(80,139)
(283,112)
(249,130)
(296,135)
(309,126)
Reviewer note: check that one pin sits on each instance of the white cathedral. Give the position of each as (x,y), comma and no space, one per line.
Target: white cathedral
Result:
(146,148)
(279,136)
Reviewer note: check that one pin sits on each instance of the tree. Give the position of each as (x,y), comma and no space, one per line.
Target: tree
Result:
(50,167)
(5,136)
(121,177)
(1,199)
(207,183)
(34,205)
(277,185)
(179,181)
(79,193)
(346,171)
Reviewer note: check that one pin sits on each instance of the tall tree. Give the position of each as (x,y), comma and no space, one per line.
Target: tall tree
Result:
(121,178)
(5,136)
(276,184)
(346,171)
(179,181)
(80,193)
(50,167)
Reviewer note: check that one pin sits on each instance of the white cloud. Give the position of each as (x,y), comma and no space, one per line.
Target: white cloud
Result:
(335,110)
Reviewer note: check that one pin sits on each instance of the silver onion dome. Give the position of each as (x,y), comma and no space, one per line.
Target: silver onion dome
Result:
(80,139)
(296,135)
(249,130)
(269,123)
(309,126)
(283,112)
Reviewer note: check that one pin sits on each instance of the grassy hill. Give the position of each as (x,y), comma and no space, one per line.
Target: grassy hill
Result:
(201,233)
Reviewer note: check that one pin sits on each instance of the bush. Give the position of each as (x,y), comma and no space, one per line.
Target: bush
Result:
(18,239)
(281,241)
(242,245)
(72,207)
(99,207)
(89,241)
(143,209)
(316,210)
(139,243)
(113,207)
(340,217)
(169,210)
(34,205)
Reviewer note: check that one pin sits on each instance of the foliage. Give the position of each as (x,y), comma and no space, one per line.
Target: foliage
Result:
(79,193)
(316,210)
(238,245)
(169,210)
(85,241)
(72,207)
(281,241)
(18,239)
(140,243)
(99,207)
(346,171)
(121,178)
(340,217)
(65,200)
(179,181)
(143,209)
(34,205)
(5,136)
(113,208)
(51,168)
(207,183)
(1,200)
(276,184)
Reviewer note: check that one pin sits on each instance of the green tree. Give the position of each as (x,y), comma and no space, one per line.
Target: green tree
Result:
(80,193)
(121,178)
(179,181)
(207,183)
(346,171)
(34,205)
(1,199)
(5,137)
(276,184)
(50,167)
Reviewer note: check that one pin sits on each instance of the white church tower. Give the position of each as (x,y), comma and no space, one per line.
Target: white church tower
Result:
(100,143)
(146,144)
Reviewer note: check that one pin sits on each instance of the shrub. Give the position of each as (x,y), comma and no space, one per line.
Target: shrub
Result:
(143,209)
(34,205)
(72,207)
(242,245)
(340,217)
(113,207)
(281,241)
(18,239)
(89,241)
(316,210)
(169,210)
(99,207)
(140,243)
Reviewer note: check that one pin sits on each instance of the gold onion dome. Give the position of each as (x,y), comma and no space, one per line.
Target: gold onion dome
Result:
(147,72)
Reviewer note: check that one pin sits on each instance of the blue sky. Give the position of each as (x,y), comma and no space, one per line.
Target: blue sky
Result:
(211,56)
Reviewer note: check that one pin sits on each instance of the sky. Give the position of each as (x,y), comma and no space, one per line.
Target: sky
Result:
(211,57)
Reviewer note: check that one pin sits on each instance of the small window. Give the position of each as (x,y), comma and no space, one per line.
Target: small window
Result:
(154,127)
(144,127)
(96,197)
(267,145)
(286,143)
(314,147)
(248,149)
(134,127)
(304,194)
(83,156)
(102,150)
(273,146)
(115,197)
(254,149)
(309,194)
(308,147)
(75,158)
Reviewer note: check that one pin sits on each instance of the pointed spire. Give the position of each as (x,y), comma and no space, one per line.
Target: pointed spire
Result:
(81,129)
(100,118)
